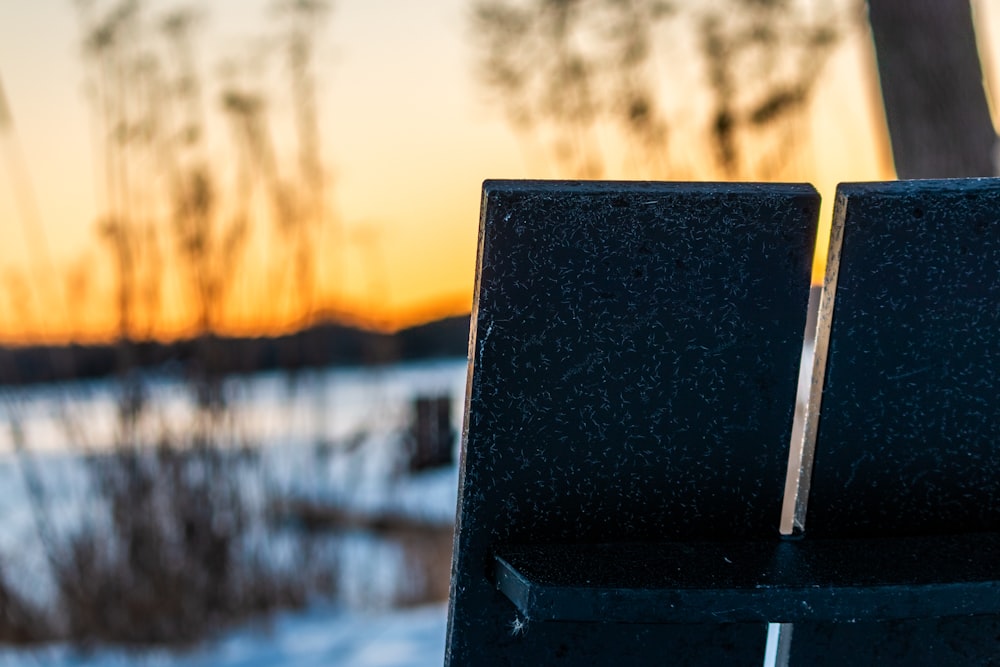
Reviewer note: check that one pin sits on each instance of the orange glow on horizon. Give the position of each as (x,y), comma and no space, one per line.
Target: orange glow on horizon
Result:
(409,138)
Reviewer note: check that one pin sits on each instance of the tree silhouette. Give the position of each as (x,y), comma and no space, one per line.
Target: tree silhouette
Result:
(665,79)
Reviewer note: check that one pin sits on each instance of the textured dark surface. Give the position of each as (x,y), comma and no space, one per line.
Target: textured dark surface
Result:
(908,434)
(956,641)
(762,581)
(633,363)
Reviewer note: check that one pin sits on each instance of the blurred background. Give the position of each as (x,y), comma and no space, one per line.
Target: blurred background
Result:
(237,256)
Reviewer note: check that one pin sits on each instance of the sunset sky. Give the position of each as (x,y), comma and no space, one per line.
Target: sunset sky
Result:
(408,137)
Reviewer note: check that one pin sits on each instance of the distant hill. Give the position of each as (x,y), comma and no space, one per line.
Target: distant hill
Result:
(321,345)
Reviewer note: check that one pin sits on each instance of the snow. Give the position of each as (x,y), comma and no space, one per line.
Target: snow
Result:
(313,638)
(290,418)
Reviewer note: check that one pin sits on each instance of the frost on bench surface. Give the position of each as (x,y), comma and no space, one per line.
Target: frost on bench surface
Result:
(633,373)
(633,370)
(908,440)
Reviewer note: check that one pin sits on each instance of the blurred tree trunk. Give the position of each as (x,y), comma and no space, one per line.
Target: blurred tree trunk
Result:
(932,88)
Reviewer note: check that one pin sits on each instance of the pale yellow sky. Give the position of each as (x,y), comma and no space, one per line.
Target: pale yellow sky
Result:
(408,135)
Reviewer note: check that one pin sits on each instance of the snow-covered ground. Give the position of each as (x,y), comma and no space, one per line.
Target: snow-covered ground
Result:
(300,425)
(271,408)
(314,638)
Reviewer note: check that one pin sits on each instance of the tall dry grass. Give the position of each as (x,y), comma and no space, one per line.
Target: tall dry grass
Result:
(175,551)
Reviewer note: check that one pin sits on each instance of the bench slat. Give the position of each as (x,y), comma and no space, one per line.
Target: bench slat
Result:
(845,580)
(633,365)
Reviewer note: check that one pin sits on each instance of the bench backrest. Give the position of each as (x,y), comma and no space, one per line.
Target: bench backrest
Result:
(633,368)
(909,430)
(909,433)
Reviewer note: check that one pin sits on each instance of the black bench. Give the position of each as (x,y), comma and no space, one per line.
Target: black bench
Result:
(908,446)
(633,377)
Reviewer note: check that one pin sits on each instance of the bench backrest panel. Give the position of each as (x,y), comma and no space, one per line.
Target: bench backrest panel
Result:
(909,432)
(633,368)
